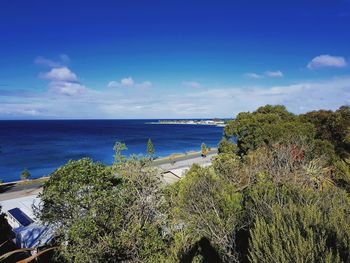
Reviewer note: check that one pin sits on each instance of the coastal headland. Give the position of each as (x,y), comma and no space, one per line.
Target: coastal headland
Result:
(214,122)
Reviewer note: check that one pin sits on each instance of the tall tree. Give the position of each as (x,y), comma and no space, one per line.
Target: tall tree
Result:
(204,150)
(25,174)
(333,126)
(206,206)
(118,148)
(106,214)
(266,126)
(150,148)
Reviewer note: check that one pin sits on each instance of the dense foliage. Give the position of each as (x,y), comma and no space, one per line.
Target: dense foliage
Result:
(150,148)
(279,194)
(25,175)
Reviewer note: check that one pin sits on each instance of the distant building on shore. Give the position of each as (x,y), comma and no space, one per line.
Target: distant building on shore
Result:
(214,122)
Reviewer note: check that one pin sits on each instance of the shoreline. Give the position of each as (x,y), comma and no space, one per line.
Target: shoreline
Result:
(197,124)
(173,168)
(174,157)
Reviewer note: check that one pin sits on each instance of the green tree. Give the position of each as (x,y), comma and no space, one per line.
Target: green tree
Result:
(150,148)
(106,214)
(281,194)
(229,166)
(268,125)
(207,207)
(118,148)
(225,146)
(295,234)
(333,127)
(342,174)
(25,174)
(79,184)
(204,150)
(299,228)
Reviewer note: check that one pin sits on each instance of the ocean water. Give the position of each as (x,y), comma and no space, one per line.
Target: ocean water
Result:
(42,146)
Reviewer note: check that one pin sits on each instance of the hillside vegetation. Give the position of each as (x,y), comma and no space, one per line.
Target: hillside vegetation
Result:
(277,192)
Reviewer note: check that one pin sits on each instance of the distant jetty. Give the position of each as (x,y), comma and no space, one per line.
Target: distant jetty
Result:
(214,122)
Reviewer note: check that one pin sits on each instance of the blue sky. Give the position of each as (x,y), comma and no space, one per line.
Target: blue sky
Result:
(171,59)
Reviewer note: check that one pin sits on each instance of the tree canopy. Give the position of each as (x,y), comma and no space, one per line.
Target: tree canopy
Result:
(105,214)
(281,194)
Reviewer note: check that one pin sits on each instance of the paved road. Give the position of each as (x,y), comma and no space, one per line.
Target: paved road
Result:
(13,187)
(10,191)
(14,190)
(184,162)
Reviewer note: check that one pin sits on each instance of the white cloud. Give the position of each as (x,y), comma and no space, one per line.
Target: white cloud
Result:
(129,83)
(327,61)
(123,83)
(62,81)
(252,75)
(144,85)
(274,74)
(270,74)
(191,84)
(138,103)
(62,61)
(46,62)
(20,110)
(113,84)
(65,58)
(59,74)
(66,88)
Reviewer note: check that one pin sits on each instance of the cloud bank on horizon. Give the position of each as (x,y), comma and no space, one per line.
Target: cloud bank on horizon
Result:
(129,83)
(68,98)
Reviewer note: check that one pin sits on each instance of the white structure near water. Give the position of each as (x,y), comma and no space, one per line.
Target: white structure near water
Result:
(29,232)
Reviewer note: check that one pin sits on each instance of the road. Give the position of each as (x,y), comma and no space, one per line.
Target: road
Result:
(15,190)
(185,161)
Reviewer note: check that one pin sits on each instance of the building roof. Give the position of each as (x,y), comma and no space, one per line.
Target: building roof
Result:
(24,203)
(20,216)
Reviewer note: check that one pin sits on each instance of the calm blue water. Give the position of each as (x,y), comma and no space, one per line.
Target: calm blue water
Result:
(43,146)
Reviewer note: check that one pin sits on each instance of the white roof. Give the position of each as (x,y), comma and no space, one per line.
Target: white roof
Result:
(23,203)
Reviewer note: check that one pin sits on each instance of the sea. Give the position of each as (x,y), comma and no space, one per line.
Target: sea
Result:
(41,146)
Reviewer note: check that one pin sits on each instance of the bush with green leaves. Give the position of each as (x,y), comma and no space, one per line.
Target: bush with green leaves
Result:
(299,225)
(225,146)
(332,126)
(150,148)
(281,194)
(106,214)
(267,125)
(25,174)
(342,174)
(205,206)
